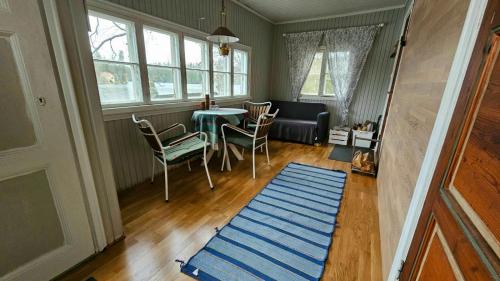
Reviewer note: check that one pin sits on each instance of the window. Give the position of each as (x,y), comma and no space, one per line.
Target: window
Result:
(318,81)
(240,66)
(162,57)
(113,47)
(197,73)
(226,74)
(222,73)
(313,80)
(141,62)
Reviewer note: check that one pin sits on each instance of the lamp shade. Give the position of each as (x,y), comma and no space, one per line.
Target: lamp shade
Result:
(223,35)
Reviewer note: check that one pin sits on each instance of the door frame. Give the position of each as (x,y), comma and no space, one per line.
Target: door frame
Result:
(433,162)
(58,51)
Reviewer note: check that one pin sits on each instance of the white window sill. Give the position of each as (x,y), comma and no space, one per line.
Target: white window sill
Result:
(125,112)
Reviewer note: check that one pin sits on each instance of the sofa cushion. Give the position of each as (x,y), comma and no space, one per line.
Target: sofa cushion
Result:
(293,129)
(298,110)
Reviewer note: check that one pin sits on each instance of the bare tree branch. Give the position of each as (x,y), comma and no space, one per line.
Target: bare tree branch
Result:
(108,40)
(119,27)
(94,33)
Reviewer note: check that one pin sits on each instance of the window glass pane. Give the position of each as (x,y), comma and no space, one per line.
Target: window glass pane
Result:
(222,84)
(196,53)
(118,82)
(342,62)
(197,83)
(240,61)
(221,63)
(164,83)
(328,88)
(112,39)
(161,48)
(240,85)
(311,85)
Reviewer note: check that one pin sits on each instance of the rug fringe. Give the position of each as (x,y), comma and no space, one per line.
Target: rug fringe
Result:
(181,262)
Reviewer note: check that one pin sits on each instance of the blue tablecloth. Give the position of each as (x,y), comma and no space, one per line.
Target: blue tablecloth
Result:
(209,121)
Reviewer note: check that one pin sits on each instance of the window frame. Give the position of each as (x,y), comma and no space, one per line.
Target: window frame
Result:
(322,79)
(185,68)
(147,93)
(140,21)
(234,73)
(137,63)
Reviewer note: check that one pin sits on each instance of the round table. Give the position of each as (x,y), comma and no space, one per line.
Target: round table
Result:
(206,121)
(223,111)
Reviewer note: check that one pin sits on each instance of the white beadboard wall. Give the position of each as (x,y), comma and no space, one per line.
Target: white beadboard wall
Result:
(369,98)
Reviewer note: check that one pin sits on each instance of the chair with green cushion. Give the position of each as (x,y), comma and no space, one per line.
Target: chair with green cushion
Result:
(174,150)
(254,111)
(246,139)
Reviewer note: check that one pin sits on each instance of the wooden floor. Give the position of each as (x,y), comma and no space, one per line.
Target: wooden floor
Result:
(157,233)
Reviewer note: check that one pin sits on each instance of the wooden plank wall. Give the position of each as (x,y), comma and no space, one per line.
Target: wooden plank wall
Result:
(432,41)
(369,98)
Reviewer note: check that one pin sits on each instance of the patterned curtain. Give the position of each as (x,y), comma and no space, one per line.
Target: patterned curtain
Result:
(347,50)
(301,50)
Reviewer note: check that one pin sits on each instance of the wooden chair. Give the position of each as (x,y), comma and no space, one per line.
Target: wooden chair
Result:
(254,111)
(248,139)
(175,150)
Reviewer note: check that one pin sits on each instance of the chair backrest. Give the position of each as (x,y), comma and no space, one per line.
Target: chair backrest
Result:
(256,109)
(298,110)
(149,133)
(264,123)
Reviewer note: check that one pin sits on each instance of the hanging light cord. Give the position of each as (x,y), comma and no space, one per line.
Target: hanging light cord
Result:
(223,18)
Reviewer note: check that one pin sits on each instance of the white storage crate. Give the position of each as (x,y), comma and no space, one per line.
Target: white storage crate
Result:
(362,134)
(339,135)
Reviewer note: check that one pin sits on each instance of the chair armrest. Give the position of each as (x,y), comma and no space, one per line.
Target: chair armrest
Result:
(172,127)
(323,119)
(183,139)
(237,129)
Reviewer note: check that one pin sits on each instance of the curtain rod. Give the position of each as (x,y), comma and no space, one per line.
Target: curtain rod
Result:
(379,25)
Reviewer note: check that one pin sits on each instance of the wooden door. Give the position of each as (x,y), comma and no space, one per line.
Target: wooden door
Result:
(44,227)
(457,237)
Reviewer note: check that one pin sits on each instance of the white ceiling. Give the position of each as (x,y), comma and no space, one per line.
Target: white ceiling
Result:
(281,11)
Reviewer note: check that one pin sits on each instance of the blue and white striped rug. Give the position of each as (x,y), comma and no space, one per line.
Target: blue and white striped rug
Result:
(284,233)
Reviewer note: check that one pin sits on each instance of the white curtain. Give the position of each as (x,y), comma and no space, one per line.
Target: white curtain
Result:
(347,50)
(301,50)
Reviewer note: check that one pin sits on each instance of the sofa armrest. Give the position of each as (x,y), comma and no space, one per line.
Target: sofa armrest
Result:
(322,128)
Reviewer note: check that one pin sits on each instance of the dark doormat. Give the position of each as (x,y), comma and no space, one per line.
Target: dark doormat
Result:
(344,153)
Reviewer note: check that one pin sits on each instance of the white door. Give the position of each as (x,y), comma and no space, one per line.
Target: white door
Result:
(44,228)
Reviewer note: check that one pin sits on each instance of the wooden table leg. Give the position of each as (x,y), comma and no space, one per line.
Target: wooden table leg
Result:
(228,163)
(235,151)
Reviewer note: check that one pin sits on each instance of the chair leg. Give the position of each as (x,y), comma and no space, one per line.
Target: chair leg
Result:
(206,170)
(189,165)
(153,169)
(253,161)
(267,154)
(166,180)
(261,149)
(223,158)
(242,152)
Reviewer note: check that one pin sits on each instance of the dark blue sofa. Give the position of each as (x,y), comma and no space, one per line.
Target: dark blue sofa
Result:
(300,122)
